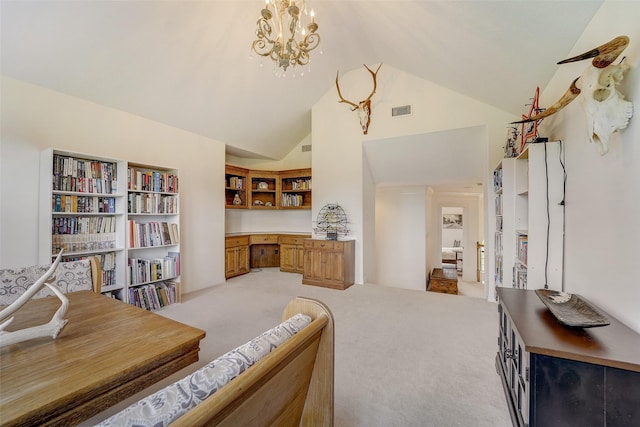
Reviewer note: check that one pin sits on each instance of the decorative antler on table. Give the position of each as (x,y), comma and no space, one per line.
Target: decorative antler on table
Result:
(55,325)
(363,107)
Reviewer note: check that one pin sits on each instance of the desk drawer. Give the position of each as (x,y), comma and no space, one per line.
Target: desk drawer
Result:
(257,239)
(322,244)
(292,240)
(231,242)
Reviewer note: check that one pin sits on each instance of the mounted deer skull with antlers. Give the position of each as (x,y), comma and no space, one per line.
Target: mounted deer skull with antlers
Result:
(363,107)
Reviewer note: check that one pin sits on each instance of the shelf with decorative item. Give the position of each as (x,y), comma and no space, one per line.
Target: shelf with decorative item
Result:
(264,191)
(235,187)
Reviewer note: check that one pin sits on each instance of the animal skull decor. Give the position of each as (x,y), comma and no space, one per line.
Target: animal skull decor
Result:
(363,107)
(607,110)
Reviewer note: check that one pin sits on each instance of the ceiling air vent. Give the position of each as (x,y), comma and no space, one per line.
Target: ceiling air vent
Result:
(401,111)
(306,148)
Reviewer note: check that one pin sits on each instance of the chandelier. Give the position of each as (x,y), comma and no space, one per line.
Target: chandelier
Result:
(282,36)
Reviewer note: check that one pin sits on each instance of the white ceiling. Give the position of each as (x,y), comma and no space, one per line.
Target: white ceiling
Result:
(187,63)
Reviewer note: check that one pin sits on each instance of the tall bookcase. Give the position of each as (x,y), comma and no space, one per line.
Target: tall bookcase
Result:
(82,211)
(529,217)
(153,236)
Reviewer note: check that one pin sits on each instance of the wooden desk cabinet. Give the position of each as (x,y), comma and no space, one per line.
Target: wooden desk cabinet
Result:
(329,263)
(554,375)
(236,256)
(292,254)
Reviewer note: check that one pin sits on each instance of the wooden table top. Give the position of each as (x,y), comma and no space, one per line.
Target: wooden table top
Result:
(615,345)
(108,351)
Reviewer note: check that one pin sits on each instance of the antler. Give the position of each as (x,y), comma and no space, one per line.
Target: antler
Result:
(375,84)
(355,106)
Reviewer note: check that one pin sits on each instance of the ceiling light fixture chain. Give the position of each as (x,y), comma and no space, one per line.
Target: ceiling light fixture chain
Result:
(286,51)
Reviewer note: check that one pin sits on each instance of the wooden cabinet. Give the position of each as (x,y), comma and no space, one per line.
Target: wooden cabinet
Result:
(329,263)
(556,376)
(236,256)
(292,253)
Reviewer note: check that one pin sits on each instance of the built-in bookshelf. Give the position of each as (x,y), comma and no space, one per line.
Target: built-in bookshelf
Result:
(498,248)
(82,213)
(529,218)
(235,187)
(295,187)
(153,236)
(255,189)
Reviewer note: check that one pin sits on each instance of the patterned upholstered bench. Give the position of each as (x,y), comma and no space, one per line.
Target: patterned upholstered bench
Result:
(282,377)
(70,276)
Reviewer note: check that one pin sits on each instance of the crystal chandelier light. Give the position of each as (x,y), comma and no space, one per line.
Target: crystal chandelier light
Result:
(282,36)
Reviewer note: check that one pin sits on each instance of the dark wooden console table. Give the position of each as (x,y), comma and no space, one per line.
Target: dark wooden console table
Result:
(555,375)
(108,351)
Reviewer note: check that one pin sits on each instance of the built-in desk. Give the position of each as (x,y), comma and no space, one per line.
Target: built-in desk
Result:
(108,351)
(244,251)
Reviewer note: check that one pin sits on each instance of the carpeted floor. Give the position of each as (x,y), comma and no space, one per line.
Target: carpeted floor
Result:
(402,357)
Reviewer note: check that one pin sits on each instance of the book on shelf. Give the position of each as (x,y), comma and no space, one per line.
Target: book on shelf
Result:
(83,175)
(152,203)
(236,182)
(149,180)
(150,270)
(154,296)
(150,234)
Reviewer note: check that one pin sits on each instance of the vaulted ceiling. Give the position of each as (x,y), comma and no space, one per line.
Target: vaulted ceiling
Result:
(187,63)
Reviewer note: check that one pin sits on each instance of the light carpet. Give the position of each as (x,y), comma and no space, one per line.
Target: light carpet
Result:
(402,357)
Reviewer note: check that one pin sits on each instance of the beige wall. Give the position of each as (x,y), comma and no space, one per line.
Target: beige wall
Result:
(34,118)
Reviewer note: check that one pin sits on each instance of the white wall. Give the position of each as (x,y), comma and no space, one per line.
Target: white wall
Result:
(602,213)
(400,237)
(34,118)
(338,168)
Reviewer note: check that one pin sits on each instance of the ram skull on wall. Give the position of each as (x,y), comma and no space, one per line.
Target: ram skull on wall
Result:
(363,107)
(607,111)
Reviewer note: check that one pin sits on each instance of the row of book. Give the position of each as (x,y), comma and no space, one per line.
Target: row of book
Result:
(152,203)
(151,270)
(146,180)
(84,225)
(155,296)
(522,245)
(292,200)
(300,184)
(84,168)
(84,185)
(497,180)
(498,204)
(498,274)
(236,182)
(82,242)
(82,204)
(149,234)
(519,277)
